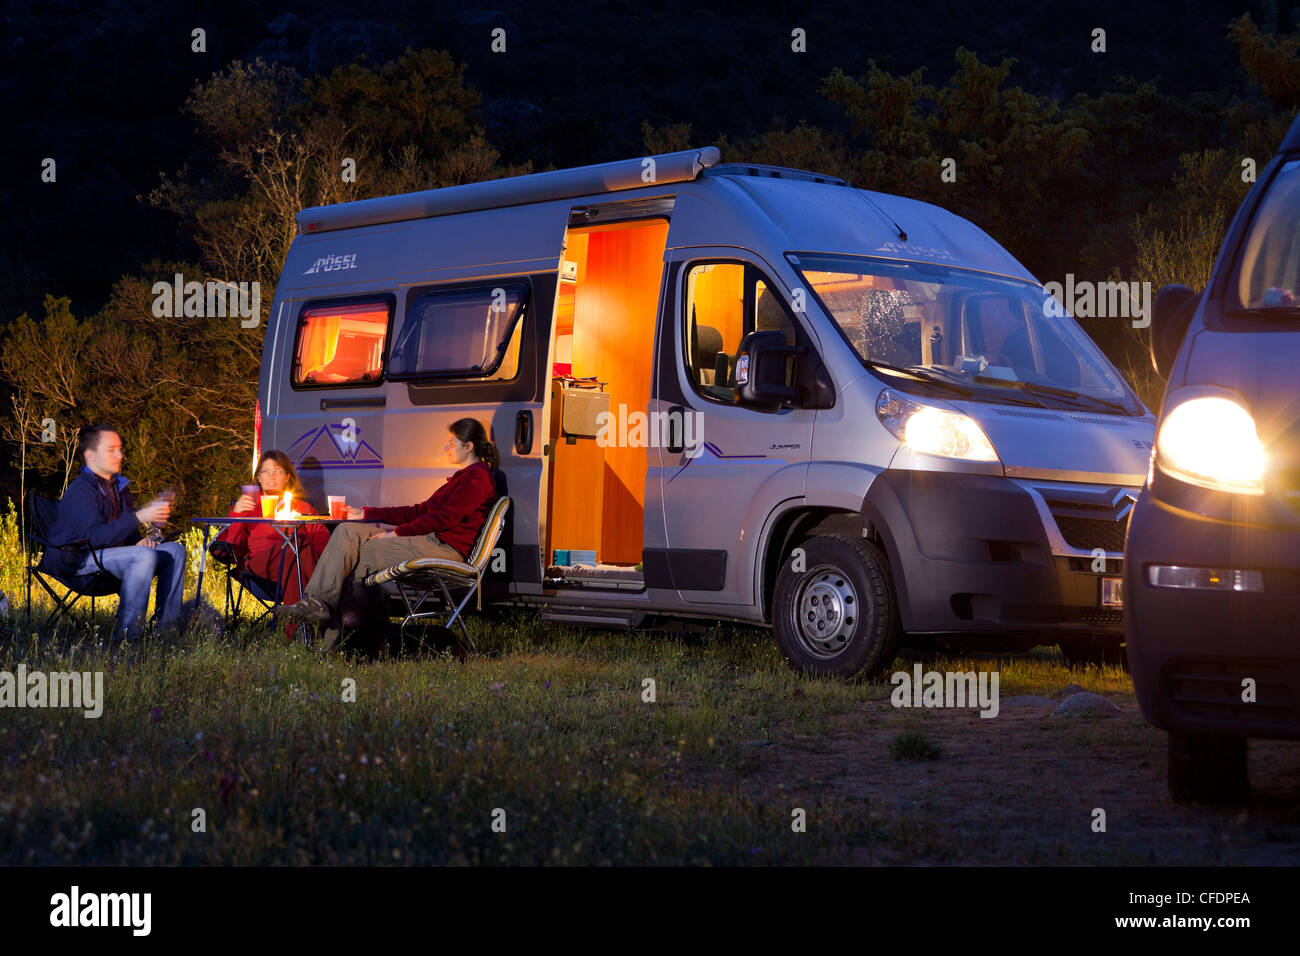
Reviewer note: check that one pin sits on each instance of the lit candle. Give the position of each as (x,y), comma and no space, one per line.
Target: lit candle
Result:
(285,508)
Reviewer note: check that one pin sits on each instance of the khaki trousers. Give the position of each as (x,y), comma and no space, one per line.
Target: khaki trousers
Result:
(348,552)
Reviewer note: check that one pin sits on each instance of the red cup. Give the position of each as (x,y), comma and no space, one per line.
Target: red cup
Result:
(337,505)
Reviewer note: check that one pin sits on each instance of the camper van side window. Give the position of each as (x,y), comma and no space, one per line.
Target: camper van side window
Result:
(341,344)
(724,302)
(461,332)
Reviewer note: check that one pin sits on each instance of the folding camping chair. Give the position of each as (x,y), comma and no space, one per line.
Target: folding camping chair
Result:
(419,577)
(41,515)
(263,590)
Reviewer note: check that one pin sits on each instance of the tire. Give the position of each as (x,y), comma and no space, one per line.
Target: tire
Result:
(1206,768)
(839,616)
(1085,653)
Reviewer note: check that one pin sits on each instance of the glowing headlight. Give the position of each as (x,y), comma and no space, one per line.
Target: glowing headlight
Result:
(934,431)
(1211,442)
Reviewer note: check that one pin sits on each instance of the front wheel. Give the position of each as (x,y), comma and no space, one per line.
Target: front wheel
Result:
(837,615)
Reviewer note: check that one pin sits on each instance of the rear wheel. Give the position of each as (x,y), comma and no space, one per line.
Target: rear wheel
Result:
(1207,768)
(839,615)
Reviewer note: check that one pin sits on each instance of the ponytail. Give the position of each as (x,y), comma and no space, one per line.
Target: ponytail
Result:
(471,430)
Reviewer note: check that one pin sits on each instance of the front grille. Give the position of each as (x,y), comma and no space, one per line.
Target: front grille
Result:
(1089,533)
(1213,689)
(1090,517)
(1102,617)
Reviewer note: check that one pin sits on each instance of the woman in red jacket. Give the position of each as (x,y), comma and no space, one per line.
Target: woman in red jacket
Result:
(257,547)
(445,525)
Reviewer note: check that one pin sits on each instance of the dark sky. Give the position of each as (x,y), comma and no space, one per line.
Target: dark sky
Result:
(100,87)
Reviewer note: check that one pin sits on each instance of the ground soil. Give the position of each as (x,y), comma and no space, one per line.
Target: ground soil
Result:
(1022,788)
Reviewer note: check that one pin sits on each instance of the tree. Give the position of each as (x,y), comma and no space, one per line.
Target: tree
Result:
(45,363)
(282,144)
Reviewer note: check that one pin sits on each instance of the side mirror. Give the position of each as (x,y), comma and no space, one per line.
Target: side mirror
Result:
(1170,314)
(761,371)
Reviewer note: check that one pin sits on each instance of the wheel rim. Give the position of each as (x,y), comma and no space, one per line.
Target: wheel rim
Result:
(826,612)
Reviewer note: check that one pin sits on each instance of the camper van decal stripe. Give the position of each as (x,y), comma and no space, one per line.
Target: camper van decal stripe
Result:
(718,453)
(321,448)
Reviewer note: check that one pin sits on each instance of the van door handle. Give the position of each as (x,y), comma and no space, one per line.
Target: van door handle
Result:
(675,422)
(524,432)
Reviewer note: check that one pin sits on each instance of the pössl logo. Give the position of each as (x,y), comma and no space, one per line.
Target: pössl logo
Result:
(332,264)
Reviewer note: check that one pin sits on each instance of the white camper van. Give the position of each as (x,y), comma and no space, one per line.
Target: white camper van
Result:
(725,392)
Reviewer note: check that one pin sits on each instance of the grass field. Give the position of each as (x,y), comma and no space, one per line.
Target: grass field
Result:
(542,749)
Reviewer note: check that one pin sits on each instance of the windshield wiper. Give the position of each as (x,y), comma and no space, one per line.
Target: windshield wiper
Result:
(1063,393)
(913,373)
(1266,312)
(922,373)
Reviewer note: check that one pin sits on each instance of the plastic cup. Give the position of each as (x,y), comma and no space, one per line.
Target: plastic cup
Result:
(268,505)
(337,504)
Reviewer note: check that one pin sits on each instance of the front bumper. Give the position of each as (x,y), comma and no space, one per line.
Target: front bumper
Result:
(1191,650)
(984,554)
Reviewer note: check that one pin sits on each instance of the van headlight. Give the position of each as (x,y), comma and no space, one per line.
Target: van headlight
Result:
(1211,442)
(933,430)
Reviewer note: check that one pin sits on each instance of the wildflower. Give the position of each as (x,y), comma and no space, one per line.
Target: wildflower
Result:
(156,713)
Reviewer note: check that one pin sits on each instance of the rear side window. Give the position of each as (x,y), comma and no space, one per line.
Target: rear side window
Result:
(341,344)
(462,332)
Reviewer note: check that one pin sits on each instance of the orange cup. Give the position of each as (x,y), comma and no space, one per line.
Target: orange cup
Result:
(268,505)
(337,505)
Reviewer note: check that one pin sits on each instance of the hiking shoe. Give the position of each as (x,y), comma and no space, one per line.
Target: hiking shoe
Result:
(309,608)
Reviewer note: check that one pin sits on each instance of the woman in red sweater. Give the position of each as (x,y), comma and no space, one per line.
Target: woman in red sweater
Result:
(257,547)
(445,525)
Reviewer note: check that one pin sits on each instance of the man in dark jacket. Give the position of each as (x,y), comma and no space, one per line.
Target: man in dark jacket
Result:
(97,508)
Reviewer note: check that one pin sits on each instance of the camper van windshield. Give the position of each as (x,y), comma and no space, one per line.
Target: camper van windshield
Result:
(984,331)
